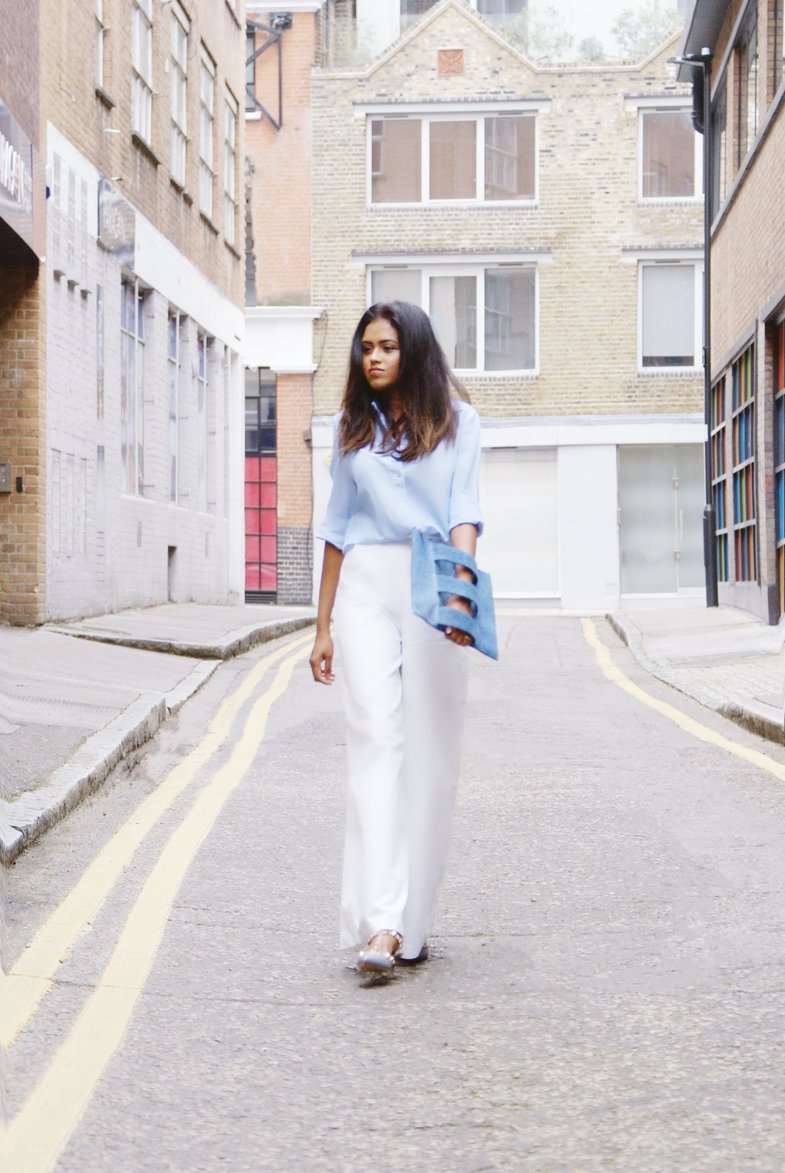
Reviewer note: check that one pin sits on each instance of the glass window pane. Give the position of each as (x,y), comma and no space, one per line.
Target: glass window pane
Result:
(668,154)
(509,158)
(509,319)
(453,157)
(453,309)
(395,160)
(668,310)
(396,285)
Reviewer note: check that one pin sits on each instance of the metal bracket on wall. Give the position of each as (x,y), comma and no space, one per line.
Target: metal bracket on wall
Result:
(274,32)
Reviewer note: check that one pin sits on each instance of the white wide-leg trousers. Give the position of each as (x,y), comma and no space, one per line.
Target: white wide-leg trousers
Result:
(404,689)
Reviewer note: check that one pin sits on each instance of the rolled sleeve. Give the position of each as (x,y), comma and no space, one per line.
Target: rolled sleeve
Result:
(465,487)
(343,497)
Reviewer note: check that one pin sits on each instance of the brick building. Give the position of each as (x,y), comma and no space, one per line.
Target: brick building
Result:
(282,49)
(22,322)
(550,219)
(137,498)
(746,128)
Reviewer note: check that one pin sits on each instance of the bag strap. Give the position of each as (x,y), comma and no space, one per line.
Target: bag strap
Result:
(444,553)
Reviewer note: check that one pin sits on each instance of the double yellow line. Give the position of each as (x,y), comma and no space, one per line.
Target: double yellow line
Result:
(603,657)
(43,1126)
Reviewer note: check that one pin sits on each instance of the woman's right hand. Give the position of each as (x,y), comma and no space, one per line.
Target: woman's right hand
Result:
(321,658)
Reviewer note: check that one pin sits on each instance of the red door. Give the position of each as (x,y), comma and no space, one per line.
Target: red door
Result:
(261,487)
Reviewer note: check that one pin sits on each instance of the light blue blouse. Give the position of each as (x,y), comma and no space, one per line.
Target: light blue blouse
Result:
(377,498)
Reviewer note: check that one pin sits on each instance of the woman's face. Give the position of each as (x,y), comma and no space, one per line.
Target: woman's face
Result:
(381,355)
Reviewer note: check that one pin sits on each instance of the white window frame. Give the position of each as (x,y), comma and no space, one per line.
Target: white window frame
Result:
(100,33)
(56,499)
(175,372)
(696,264)
(201,411)
(142,70)
(477,269)
(180,29)
(231,115)
(697,193)
(478,116)
(137,337)
(206,134)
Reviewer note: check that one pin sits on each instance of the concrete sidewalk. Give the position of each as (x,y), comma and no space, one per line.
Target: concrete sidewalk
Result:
(722,657)
(71,708)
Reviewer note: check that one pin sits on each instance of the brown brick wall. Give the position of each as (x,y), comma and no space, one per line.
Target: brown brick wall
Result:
(281,159)
(70,101)
(22,428)
(295,408)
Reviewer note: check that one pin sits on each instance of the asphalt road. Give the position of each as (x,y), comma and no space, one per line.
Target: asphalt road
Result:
(607,983)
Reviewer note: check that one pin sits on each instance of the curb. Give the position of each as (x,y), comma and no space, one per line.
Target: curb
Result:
(747,716)
(233,644)
(34,812)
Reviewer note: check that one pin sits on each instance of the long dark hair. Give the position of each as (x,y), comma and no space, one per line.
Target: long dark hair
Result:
(426,386)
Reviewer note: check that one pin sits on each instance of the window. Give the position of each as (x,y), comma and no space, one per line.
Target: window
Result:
(178,90)
(82,522)
(175,349)
(230,168)
(100,32)
(776,46)
(412,10)
(55,489)
(207,118)
(743,460)
(142,74)
(261,507)
(484,316)
(719,147)
(779,459)
(201,419)
(670,155)
(420,160)
(250,69)
(502,10)
(132,386)
(747,65)
(719,477)
(70,505)
(669,318)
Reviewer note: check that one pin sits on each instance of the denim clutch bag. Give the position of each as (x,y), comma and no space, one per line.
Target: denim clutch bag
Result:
(434,582)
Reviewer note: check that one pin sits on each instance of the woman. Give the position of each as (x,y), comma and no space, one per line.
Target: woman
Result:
(405,457)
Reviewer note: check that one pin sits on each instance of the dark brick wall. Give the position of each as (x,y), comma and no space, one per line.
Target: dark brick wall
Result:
(295,564)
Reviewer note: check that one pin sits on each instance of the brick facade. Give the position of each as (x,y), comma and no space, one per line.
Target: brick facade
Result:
(568,436)
(121,225)
(22,418)
(280,209)
(586,224)
(747,277)
(22,347)
(97,120)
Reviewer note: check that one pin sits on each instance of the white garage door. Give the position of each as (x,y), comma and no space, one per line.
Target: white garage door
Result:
(520,544)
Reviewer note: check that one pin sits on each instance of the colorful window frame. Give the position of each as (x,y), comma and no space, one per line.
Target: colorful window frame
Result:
(719,478)
(779,461)
(744,466)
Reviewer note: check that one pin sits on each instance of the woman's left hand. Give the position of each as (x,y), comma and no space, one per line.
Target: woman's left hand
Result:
(454,633)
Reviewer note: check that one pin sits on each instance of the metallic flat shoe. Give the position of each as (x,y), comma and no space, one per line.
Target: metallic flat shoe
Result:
(376,962)
(423,955)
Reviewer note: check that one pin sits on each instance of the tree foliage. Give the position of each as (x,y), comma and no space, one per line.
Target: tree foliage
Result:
(639,30)
(543,34)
